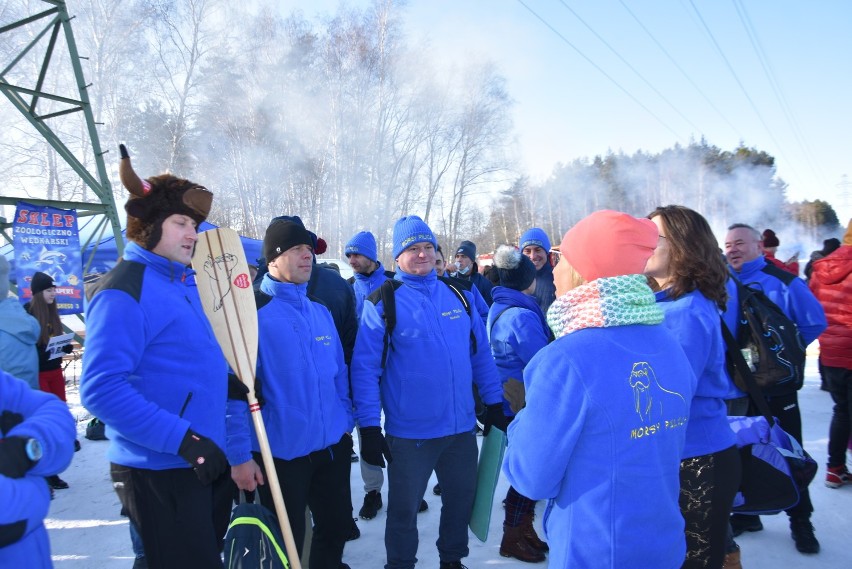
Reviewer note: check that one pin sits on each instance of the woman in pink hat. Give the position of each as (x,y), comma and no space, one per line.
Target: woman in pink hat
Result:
(607,404)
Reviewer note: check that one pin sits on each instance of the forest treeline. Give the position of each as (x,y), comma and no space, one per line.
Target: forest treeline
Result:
(345,121)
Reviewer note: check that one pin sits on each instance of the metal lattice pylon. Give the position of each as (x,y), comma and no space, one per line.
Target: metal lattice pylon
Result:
(44,29)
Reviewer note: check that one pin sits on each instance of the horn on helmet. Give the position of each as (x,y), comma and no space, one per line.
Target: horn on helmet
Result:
(134,184)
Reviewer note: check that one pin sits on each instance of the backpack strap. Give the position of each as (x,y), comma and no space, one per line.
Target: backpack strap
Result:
(386,293)
(736,357)
(785,277)
(496,318)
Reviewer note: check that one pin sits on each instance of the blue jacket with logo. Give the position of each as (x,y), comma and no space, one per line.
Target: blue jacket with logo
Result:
(694,321)
(425,389)
(19,334)
(152,368)
(26,500)
(601,438)
(303,378)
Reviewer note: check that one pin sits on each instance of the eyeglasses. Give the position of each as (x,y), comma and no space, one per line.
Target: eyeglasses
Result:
(662,237)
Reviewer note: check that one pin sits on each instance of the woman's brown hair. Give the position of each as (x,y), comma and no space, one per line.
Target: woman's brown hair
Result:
(695,261)
(47,316)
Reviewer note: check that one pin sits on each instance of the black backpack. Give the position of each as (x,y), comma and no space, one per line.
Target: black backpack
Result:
(253,540)
(386,293)
(769,341)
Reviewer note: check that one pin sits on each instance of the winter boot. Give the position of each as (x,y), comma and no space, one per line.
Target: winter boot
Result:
(354,533)
(802,531)
(372,505)
(515,545)
(745,522)
(837,476)
(56,482)
(423,507)
(452,565)
(732,560)
(531,536)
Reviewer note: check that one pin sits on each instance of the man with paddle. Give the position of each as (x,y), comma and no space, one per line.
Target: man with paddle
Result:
(307,411)
(155,375)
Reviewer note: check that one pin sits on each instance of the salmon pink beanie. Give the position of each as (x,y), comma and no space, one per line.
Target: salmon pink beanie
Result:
(609,244)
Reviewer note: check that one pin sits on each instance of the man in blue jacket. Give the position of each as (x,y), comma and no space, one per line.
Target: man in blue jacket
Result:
(536,246)
(307,410)
(428,408)
(468,270)
(155,375)
(38,434)
(746,263)
(369,275)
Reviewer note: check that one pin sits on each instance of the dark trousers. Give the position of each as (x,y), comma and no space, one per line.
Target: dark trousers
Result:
(708,484)
(182,522)
(453,458)
(319,481)
(840,385)
(785,408)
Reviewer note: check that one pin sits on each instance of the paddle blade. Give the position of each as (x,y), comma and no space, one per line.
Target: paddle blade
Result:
(224,286)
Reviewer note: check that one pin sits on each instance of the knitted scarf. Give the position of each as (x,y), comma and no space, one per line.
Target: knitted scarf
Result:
(605,302)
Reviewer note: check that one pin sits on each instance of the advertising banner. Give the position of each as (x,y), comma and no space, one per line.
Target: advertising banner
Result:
(46,240)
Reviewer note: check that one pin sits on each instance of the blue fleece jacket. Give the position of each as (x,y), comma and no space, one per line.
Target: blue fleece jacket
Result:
(425,388)
(601,437)
(796,301)
(26,500)
(694,321)
(545,288)
(364,285)
(303,378)
(517,331)
(19,334)
(152,368)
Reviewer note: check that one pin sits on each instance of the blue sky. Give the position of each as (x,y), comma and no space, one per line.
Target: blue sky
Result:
(584,99)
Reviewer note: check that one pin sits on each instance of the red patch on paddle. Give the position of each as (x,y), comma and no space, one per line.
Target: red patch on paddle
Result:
(242,280)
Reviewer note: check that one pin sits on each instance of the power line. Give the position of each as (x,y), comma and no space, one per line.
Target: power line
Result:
(776,86)
(604,73)
(742,88)
(628,64)
(682,71)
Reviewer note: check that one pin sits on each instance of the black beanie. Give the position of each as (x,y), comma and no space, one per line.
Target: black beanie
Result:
(282,235)
(515,269)
(41,282)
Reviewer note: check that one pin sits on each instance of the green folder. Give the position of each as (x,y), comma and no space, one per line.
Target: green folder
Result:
(488,472)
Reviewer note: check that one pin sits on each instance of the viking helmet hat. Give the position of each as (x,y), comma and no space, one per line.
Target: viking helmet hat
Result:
(153,200)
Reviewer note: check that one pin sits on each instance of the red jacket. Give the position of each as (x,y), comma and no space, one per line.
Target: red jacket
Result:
(831,283)
(791,267)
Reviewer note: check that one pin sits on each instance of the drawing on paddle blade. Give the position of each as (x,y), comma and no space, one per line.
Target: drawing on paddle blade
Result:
(221,266)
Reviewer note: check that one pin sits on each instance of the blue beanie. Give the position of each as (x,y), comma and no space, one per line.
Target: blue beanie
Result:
(535,237)
(362,243)
(468,249)
(408,231)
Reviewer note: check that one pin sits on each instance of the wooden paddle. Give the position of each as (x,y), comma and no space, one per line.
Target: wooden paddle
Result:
(224,285)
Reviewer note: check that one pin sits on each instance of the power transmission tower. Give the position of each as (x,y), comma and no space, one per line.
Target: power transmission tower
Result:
(52,43)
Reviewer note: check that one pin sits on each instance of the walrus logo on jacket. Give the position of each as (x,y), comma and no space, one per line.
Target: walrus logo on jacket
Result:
(658,408)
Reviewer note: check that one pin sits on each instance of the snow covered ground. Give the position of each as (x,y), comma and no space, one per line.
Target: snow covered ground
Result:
(86,531)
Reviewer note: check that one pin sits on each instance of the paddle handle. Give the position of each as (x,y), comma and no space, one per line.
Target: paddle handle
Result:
(274,484)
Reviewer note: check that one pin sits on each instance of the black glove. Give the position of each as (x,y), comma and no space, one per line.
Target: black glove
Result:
(494,417)
(14,462)
(236,388)
(9,420)
(373,446)
(207,459)
(68,348)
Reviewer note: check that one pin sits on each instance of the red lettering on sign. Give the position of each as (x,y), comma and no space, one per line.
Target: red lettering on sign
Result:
(22,216)
(57,220)
(242,280)
(33,218)
(69,221)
